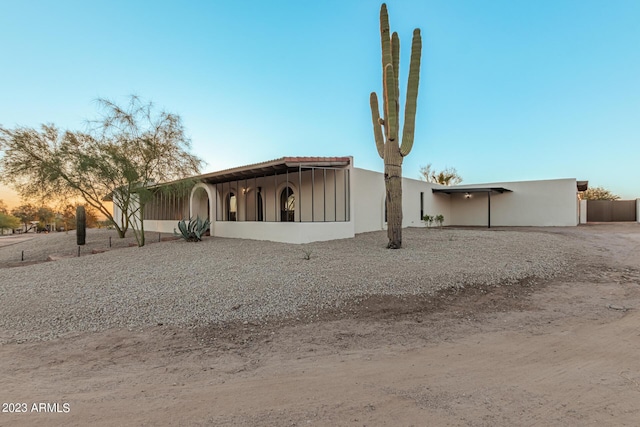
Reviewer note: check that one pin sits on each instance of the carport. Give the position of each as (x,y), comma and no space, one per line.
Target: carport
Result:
(467,191)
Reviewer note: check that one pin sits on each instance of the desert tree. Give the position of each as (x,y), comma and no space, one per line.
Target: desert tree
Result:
(45,216)
(598,193)
(123,152)
(386,129)
(447,176)
(26,213)
(148,147)
(8,222)
(67,217)
(3,207)
(50,164)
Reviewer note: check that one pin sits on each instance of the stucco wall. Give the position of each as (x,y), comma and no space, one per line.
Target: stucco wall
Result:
(160,226)
(286,232)
(583,212)
(434,204)
(369,196)
(531,203)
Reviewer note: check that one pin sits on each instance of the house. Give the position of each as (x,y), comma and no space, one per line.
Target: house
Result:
(306,199)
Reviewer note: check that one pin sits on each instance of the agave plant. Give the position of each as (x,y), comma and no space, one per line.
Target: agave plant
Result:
(193,230)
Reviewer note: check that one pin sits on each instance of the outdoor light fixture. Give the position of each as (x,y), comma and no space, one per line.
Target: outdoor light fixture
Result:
(467,195)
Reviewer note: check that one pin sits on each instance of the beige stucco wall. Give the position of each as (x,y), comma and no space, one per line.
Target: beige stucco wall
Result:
(583,212)
(531,203)
(202,201)
(160,226)
(286,232)
(434,204)
(369,196)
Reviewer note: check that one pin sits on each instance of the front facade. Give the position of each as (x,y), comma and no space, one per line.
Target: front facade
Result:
(292,199)
(306,199)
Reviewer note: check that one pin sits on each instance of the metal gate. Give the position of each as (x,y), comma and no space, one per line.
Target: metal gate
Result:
(611,210)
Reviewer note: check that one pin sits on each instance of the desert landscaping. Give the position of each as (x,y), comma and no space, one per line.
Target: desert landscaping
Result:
(463,326)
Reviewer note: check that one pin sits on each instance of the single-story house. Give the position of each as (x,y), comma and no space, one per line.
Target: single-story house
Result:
(306,199)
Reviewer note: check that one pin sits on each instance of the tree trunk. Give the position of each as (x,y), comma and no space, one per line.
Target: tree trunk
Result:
(138,229)
(393,184)
(142,239)
(121,232)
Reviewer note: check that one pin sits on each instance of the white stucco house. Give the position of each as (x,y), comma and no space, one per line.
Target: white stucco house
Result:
(306,199)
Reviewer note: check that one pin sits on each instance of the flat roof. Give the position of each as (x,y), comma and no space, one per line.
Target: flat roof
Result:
(452,190)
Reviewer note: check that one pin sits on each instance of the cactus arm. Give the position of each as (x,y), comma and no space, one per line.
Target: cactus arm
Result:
(412,95)
(391,124)
(385,41)
(377,126)
(395,58)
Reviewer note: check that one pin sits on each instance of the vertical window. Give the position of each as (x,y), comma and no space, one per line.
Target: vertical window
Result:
(287,205)
(232,207)
(421,205)
(260,207)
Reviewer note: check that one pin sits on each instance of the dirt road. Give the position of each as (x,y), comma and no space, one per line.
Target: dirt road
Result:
(558,353)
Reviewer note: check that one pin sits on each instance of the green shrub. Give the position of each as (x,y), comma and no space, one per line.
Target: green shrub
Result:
(193,230)
(307,254)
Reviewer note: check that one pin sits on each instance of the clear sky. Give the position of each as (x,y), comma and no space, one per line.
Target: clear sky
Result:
(510,90)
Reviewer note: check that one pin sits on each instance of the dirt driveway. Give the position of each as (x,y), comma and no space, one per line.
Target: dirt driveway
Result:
(558,353)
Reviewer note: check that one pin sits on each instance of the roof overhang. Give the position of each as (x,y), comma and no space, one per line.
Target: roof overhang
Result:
(272,167)
(469,190)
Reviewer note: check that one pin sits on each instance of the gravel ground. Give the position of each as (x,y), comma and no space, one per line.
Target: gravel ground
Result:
(221,280)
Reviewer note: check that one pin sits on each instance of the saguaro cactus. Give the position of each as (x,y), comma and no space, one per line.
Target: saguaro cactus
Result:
(81,226)
(386,130)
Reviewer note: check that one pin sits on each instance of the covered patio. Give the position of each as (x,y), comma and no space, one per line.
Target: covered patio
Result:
(290,199)
(468,191)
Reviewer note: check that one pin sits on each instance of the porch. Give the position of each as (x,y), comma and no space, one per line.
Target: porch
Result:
(291,199)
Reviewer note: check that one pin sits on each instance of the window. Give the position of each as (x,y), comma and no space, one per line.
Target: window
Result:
(421,205)
(260,207)
(232,207)
(287,205)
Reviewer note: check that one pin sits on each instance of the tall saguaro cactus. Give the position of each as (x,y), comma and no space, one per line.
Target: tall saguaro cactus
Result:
(386,129)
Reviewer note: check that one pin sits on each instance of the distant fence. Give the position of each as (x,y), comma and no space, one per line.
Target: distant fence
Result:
(611,210)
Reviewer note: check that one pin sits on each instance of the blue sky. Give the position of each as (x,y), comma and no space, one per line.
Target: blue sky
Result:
(510,90)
